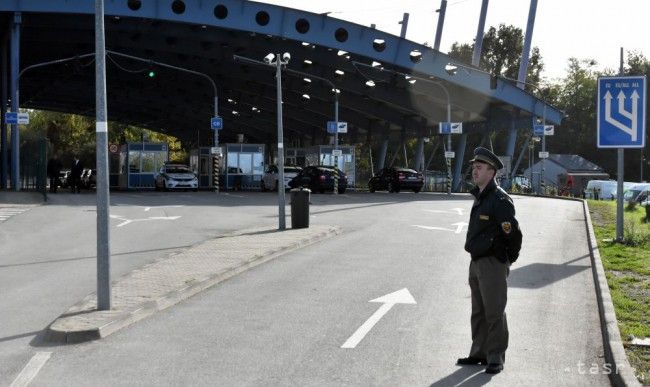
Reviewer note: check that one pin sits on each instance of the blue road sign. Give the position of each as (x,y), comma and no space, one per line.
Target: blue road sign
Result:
(216,123)
(16,118)
(11,117)
(331,127)
(621,112)
(543,130)
(450,128)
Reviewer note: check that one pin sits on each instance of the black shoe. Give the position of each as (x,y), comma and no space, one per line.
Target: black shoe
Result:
(471,360)
(493,368)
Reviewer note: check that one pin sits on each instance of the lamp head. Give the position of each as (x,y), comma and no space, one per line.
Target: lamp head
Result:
(451,69)
(286,57)
(269,58)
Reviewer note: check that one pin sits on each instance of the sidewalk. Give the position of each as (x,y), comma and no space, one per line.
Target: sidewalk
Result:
(164,283)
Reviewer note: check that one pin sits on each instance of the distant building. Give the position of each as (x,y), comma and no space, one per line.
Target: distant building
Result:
(560,171)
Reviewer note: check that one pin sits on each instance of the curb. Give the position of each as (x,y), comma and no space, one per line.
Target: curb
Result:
(621,374)
(122,319)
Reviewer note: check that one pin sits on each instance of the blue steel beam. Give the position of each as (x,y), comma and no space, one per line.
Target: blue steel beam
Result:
(304,26)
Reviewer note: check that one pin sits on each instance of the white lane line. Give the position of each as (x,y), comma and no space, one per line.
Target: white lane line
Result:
(31,369)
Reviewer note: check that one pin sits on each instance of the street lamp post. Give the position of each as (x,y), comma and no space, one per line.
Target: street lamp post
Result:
(277,61)
(281,199)
(336,119)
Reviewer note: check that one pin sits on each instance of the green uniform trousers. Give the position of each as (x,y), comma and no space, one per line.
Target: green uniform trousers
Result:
(488,280)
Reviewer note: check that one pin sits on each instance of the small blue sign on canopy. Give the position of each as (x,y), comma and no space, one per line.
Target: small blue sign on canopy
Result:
(16,118)
(216,123)
(342,127)
(621,112)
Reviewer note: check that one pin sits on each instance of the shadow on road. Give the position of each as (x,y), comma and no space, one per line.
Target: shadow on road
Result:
(538,275)
(465,376)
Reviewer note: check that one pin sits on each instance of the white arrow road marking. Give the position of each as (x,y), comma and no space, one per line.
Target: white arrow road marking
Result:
(458,230)
(126,221)
(31,369)
(432,228)
(149,208)
(399,297)
(458,211)
(459,226)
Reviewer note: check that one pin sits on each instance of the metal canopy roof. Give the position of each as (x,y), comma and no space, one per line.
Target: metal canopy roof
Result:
(203,36)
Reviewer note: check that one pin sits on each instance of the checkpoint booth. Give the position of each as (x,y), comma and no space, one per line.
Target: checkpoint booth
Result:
(139,162)
(241,167)
(202,164)
(244,166)
(322,155)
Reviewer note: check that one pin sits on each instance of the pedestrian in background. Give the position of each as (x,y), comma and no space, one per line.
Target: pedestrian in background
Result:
(53,170)
(493,240)
(75,175)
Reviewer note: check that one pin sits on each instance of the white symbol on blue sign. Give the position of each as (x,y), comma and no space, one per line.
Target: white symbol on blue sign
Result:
(216,123)
(621,125)
(543,130)
(450,128)
(16,118)
(331,127)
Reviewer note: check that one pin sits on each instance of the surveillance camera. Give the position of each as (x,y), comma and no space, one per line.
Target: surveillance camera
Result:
(286,57)
(269,58)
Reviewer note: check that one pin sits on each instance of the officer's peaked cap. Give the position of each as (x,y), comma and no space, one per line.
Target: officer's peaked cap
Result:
(484,155)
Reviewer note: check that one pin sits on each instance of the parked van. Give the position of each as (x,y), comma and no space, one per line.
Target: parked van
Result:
(626,186)
(638,193)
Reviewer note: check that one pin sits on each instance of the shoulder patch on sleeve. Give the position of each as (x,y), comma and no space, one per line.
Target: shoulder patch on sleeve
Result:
(507,227)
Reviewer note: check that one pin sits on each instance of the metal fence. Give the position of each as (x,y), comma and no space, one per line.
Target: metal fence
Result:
(33,165)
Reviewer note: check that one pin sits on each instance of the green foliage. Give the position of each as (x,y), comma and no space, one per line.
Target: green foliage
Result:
(501,53)
(71,135)
(627,268)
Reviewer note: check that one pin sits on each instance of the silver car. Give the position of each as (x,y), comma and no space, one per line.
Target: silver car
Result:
(176,176)
(271,176)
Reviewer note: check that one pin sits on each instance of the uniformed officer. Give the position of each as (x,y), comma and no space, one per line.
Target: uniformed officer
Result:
(494,241)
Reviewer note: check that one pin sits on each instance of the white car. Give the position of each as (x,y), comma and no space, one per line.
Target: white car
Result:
(271,175)
(176,176)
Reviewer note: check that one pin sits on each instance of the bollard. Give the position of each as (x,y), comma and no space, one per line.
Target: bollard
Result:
(300,207)
(647,212)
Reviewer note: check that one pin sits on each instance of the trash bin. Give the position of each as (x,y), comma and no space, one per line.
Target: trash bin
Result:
(300,207)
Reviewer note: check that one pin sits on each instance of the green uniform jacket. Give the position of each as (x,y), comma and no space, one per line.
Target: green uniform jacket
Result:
(493,229)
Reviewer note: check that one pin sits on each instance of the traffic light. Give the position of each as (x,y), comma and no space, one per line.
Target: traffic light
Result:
(151,73)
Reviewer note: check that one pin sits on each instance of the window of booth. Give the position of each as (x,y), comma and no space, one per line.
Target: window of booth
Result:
(258,163)
(246,163)
(134,161)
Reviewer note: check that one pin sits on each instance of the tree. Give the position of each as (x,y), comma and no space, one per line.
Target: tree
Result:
(71,134)
(501,53)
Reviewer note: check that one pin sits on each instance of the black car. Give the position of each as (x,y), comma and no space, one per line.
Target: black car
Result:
(319,178)
(396,179)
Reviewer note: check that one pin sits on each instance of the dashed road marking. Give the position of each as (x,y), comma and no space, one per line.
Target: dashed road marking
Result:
(31,369)
(8,212)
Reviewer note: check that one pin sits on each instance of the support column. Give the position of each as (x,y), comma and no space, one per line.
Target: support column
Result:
(419,155)
(15,134)
(523,70)
(458,167)
(4,145)
(381,160)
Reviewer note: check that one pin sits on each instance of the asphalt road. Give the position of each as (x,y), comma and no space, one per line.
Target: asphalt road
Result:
(285,322)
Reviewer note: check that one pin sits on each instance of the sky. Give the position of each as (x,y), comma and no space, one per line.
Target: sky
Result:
(584,29)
